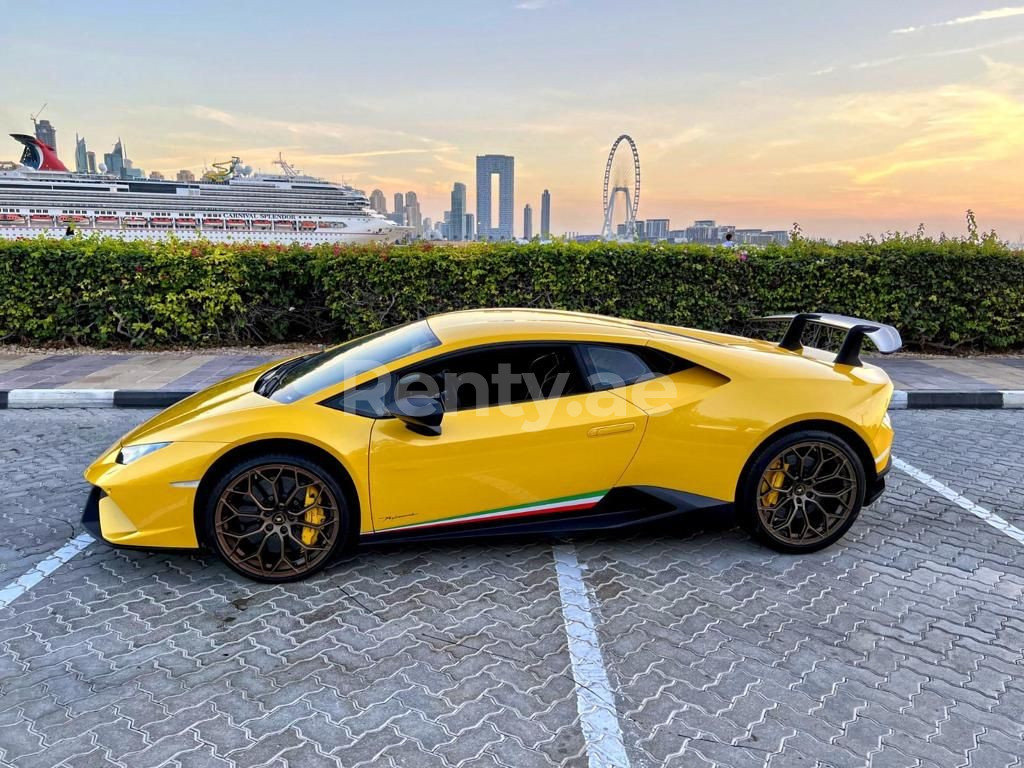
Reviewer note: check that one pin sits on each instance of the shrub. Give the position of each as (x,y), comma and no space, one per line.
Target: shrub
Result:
(942,295)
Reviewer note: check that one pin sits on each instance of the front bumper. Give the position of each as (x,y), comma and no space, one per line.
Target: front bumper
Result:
(99,506)
(91,515)
(149,503)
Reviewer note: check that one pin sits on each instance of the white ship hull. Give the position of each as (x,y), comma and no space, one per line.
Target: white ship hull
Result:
(345,236)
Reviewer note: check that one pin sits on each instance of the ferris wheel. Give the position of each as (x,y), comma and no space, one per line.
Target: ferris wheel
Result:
(620,185)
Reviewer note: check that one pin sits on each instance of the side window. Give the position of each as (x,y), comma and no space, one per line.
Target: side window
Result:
(367,399)
(619,366)
(498,375)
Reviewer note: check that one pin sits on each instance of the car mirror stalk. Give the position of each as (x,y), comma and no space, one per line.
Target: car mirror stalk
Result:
(422,414)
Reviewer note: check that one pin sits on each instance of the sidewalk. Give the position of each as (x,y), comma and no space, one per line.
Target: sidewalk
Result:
(191,371)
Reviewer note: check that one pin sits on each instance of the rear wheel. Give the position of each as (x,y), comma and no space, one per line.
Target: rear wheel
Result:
(276,518)
(802,492)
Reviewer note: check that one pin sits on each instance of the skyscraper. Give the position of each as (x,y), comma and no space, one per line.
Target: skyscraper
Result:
(399,216)
(469,227)
(486,167)
(656,229)
(457,221)
(185,176)
(545,215)
(528,222)
(90,158)
(115,160)
(413,217)
(378,202)
(81,156)
(46,133)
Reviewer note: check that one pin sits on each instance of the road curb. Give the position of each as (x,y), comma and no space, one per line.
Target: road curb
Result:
(162,398)
(90,398)
(917,399)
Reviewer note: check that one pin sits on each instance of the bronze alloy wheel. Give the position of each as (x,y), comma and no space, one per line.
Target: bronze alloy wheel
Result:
(276,521)
(808,491)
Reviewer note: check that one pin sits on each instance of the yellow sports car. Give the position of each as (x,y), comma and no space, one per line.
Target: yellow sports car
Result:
(499,421)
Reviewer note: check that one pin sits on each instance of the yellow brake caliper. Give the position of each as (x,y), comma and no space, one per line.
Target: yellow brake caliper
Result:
(775,476)
(313,516)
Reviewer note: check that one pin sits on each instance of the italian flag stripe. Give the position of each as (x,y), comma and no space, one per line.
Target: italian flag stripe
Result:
(564,504)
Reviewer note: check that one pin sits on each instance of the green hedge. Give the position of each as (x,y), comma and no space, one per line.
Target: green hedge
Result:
(949,294)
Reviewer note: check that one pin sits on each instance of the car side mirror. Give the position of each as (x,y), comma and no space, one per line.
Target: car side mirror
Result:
(420,413)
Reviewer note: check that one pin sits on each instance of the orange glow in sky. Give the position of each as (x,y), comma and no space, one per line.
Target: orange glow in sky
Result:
(848,117)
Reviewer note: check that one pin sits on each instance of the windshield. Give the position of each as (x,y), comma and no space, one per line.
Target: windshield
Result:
(332,366)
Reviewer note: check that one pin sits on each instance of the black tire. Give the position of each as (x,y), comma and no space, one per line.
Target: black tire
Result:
(235,520)
(815,521)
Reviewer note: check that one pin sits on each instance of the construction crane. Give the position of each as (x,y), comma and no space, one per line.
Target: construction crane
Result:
(35,118)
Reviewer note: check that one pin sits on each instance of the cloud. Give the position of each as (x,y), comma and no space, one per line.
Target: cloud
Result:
(688,136)
(998,13)
(940,54)
(531,5)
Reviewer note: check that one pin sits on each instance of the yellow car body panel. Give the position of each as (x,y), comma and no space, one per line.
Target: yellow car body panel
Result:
(692,431)
(488,460)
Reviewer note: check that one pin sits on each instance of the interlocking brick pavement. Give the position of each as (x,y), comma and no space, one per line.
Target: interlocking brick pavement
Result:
(195,370)
(899,646)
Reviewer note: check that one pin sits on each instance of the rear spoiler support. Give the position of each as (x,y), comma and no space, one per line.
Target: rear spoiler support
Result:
(885,338)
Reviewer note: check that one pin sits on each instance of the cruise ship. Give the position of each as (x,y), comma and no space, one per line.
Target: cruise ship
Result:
(40,196)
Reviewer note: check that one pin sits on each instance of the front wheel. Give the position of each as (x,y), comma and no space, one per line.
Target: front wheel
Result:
(802,492)
(276,518)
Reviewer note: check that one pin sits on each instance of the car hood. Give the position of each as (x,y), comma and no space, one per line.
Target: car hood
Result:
(195,416)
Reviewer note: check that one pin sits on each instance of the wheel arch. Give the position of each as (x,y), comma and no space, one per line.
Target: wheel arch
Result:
(846,433)
(277,445)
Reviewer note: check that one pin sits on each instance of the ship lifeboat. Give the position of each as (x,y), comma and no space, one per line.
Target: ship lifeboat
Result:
(41,220)
(135,221)
(106,221)
(262,223)
(11,218)
(307,225)
(161,221)
(284,225)
(236,223)
(213,223)
(186,221)
(73,219)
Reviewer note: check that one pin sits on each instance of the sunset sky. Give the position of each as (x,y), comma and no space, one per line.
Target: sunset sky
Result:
(848,117)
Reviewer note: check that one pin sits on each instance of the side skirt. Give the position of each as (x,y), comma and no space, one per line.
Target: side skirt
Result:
(621,508)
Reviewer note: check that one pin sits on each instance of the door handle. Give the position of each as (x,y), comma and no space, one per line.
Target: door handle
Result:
(611,429)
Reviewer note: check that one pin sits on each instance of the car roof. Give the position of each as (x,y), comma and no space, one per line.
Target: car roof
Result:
(522,324)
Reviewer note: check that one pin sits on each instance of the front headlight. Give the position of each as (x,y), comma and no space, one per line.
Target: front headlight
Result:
(130,453)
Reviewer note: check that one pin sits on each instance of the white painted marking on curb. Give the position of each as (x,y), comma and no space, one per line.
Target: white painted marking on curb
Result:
(977,510)
(42,569)
(1013,398)
(60,398)
(595,700)
(898,401)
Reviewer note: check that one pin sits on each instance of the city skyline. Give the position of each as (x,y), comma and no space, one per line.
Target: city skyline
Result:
(742,113)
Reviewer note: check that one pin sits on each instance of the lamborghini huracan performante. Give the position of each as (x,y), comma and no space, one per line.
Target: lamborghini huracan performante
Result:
(489,422)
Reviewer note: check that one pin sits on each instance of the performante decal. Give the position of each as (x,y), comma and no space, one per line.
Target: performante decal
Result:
(581,501)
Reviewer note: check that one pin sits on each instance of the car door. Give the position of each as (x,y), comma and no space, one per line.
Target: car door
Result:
(523,434)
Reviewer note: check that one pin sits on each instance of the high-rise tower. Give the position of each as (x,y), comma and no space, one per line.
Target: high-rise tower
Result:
(545,215)
(487,166)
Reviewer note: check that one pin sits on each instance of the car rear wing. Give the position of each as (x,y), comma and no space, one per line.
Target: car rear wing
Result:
(885,338)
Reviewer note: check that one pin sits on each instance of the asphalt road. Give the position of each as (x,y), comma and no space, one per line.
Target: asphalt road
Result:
(900,646)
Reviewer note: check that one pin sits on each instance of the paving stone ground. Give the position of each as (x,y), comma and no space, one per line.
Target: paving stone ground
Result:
(188,371)
(899,646)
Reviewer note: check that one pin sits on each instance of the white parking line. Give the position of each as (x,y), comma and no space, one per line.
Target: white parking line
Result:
(595,700)
(963,502)
(42,569)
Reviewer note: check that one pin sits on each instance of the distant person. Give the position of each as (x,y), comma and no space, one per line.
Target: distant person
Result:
(69,232)
(729,243)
